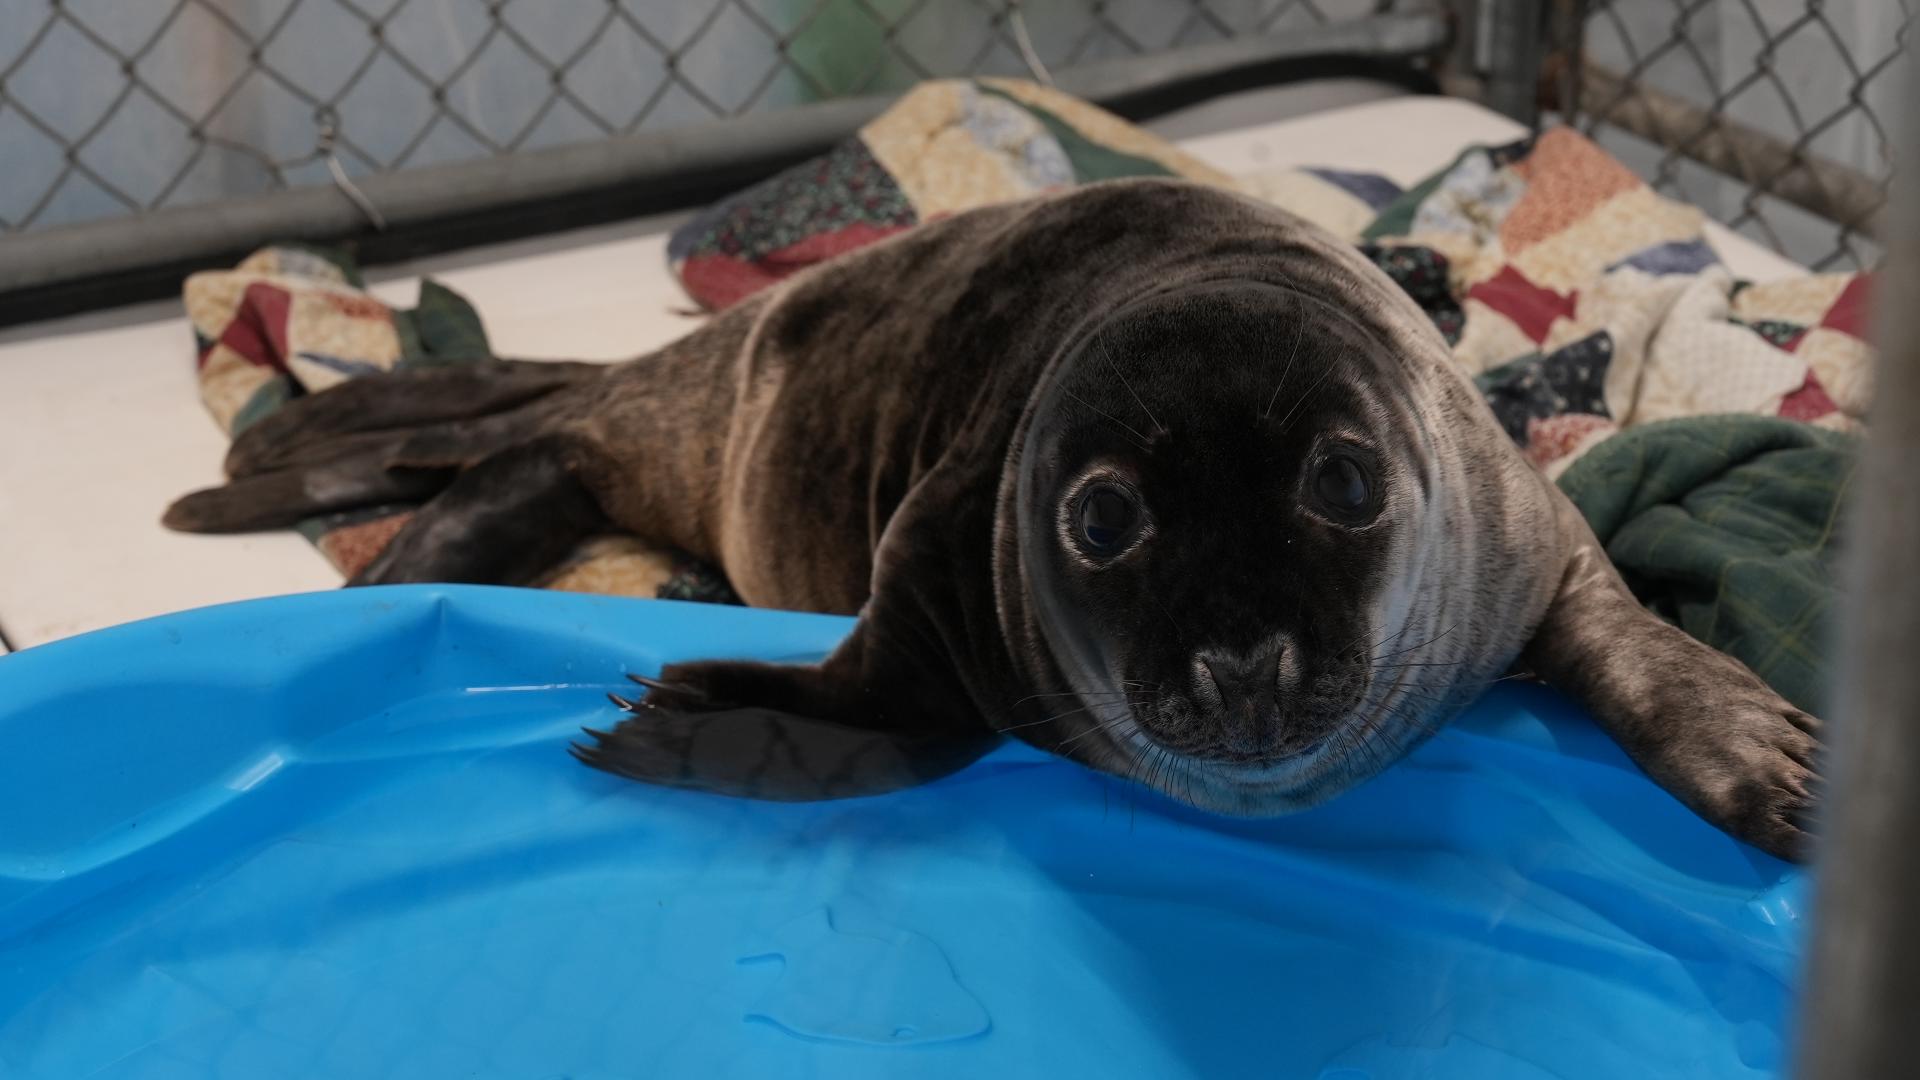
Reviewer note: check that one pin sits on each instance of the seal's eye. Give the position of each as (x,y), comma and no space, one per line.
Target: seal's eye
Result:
(1343,486)
(1107,518)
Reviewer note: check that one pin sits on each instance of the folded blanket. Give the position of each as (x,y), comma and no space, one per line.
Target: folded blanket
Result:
(1583,301)
(1584,305)
(945,146)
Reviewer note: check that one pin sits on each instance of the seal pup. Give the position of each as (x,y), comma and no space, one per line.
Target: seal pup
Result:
(1148,474)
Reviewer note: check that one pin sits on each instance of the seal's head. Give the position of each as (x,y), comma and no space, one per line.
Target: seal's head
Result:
(1222,497)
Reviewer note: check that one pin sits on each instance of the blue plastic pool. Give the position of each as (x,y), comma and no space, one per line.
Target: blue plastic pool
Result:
(338,836)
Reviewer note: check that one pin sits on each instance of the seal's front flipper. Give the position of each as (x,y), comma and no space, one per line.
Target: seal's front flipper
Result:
(1698,721)
(781,732)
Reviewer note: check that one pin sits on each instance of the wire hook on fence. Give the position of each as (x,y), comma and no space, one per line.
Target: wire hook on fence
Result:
(329,134)
(1027,53)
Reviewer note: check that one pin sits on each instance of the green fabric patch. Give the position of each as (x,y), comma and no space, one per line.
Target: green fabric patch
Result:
(1090,160)
(443,329)
(1726,526)
(271,395)
(1778,334)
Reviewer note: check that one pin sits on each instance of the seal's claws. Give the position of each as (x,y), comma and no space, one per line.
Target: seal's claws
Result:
(630,706)
(663,687)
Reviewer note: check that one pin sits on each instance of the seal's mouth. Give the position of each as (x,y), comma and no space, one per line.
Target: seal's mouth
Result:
(1199,736)
(1244,735)
(1258,758)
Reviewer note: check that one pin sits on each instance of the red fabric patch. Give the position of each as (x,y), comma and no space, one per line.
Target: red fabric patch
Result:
(1554,437)
(359,307)
(1531,307)
(718,282)
(1849,312)
(1568,178)
(1810,402)
(825,245)
(351,547)
(258,331)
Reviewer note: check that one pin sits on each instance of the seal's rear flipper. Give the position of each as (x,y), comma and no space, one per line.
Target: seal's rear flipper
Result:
(283,498)
(394,438)
(784,732)
(311,428)
(504,521)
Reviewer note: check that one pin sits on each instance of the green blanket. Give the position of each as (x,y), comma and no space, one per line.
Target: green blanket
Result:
(1727,526)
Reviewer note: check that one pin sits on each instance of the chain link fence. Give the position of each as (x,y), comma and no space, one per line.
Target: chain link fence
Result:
(109,108)
(1775,116)
(1770,114)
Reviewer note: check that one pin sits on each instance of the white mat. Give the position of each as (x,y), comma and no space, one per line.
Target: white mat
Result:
(101,428)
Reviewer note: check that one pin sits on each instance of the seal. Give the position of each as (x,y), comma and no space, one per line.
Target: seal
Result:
(1147,474)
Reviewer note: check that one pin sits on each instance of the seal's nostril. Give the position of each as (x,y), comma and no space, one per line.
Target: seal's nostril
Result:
(1241,672)
(1206,685)
(1286,669)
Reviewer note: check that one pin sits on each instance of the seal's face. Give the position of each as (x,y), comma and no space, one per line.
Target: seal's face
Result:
(1216,537)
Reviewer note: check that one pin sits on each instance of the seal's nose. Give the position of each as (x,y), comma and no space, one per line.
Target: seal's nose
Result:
(1243,689)
(1232,679)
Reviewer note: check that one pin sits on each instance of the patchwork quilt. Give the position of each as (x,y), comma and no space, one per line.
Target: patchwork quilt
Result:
(1584,305)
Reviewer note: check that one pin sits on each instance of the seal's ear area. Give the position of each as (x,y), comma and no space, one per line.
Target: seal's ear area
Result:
(782,733)
(1697,720)
(393,402)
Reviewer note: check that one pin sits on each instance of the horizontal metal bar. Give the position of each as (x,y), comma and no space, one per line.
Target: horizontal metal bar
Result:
(450,206)
(415,195)
(1403,36)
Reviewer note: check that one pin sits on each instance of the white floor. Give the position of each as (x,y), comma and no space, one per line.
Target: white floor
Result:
(101,427)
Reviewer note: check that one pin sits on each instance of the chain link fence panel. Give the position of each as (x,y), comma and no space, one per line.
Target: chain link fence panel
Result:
(1772,115)
(109,108)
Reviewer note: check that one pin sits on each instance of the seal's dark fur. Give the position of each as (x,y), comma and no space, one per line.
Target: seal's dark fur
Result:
(899,433)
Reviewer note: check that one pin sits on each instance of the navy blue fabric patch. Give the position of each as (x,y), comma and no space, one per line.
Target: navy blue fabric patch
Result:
(1376,191)
(1676,257)
(1571,379)
(1508,153)
(344,367)
(695,580)
(1421,273)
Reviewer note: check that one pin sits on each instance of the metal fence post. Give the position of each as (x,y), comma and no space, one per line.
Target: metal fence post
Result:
(1862,990)
(1516,48)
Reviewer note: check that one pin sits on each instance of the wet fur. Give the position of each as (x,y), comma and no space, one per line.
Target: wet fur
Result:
(865,438)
